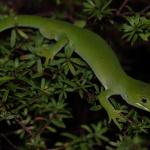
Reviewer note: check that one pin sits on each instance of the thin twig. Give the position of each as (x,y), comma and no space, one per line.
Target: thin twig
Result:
(42,130)
(124,14)
(122,6)
(24,127)
(145,9)
(9,142)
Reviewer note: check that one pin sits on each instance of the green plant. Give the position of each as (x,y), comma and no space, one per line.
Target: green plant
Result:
(131,143)
(136,28)
(37,99)
(93,135)
(139,124)
(32,94)
(98,9)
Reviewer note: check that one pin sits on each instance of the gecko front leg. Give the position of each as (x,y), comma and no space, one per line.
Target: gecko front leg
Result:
(49,53)
(113,114)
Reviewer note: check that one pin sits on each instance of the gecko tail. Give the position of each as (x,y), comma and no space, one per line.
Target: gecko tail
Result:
(7,23)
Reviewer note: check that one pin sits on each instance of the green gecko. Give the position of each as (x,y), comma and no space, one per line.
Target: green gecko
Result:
(97,53)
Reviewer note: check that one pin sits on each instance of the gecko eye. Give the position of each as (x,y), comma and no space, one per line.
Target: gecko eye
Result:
(144,100)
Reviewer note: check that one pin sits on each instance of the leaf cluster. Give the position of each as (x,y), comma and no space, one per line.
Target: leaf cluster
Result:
(137,27)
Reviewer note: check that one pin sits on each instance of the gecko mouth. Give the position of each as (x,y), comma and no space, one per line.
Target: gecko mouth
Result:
(141,106)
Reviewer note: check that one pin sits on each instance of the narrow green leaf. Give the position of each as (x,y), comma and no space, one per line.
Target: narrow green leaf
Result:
(78,61)
(22,34)
(13,38)
(39,66)
(51,129)
(71,68)
(6,78)
(96,108)
(80,23)
(68,51)
(5,96)
(87,128)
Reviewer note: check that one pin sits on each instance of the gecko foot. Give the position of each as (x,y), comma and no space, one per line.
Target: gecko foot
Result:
(117,117)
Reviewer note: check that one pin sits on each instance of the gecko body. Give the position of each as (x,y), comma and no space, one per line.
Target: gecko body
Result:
(97,53)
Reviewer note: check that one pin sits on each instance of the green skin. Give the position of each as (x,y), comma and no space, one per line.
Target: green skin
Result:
(99,56)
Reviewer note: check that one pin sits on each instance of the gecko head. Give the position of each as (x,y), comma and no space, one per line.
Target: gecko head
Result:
(139,95)
(143,102)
